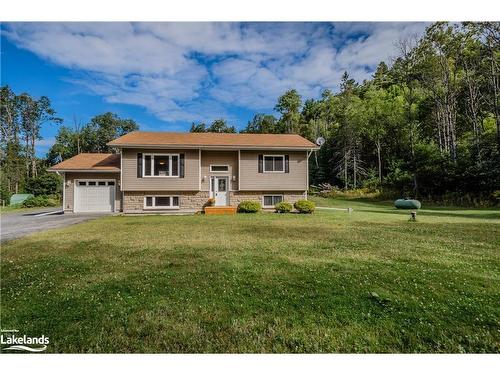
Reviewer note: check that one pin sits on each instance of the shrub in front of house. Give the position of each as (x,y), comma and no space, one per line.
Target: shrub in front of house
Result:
(249,207)
(41,201)
(304,206)
(209,203)
(283,207)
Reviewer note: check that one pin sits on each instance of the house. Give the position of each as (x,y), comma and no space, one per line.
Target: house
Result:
(161,171)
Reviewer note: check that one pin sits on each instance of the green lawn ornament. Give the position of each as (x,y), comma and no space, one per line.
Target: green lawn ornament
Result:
(19,198)
(408,204)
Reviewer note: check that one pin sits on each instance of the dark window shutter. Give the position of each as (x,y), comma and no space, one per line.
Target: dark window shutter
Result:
(261,163)
(139,165)
(287,164)
(181,165)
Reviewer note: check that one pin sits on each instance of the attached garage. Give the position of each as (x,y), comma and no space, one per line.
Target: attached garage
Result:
(91,183)
(94,196)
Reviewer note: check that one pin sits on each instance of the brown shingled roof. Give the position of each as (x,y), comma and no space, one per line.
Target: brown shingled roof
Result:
(87,162)
(229,140)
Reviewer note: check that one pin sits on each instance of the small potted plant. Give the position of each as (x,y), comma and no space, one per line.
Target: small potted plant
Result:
(210,202)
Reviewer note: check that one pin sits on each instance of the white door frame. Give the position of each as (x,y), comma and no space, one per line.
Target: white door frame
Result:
(214,186)
(75,186)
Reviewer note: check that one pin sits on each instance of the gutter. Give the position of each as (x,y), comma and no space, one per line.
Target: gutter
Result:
(84,170)
(220,148)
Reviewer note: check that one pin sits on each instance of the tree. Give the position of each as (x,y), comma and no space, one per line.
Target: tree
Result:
(262,123)
(44,184)
(218,126)
(103,129)
(65,146)
(34,113)
(405,72)
(198,128)
(10,147)
(221,126)
(92,137)
(288,106)
(382,78)
(382,111)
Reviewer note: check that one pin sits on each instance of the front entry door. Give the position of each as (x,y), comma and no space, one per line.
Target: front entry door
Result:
(220,188)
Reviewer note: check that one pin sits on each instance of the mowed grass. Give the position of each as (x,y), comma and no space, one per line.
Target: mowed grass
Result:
(369,281)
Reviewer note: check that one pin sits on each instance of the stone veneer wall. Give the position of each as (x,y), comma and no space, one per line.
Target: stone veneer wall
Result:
(133,201)
(236,197)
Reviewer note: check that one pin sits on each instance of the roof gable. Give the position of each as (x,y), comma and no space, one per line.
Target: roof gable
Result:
(90,161)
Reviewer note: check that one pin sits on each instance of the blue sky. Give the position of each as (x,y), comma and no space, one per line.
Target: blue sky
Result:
(167,75)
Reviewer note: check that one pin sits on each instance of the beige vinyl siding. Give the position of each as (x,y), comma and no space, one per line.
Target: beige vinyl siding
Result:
(131,182)
(69,188)
(229,158)
(251,179)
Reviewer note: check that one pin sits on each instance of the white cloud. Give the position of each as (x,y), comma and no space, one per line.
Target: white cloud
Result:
(195,71)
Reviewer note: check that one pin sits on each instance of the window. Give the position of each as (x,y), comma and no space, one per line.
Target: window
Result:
(92,183)
(271,200)
(219,168)
(162,202)
(274,163)
(111,183)
(82,183)
(102,183)
(161,165)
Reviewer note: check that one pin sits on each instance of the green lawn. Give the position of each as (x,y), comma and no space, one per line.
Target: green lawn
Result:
(18,209)
(369,281)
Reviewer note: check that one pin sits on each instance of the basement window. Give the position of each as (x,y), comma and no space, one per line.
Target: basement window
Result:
(271,200)
(161,202)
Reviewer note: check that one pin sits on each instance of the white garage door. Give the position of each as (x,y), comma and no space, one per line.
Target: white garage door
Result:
(94,196)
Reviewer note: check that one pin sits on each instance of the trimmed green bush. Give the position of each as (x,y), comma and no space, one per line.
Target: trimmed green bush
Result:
(40,201)
(304,206)
(249,207)
(283,207)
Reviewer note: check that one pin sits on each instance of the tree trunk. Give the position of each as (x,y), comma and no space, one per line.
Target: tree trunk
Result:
(412,148)
(345,168)
(495,90)
(27,156)
(379,161)
(354,168)
(33,158)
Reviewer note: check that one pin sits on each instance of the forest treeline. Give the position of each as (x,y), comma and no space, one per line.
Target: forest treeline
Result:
(426,125)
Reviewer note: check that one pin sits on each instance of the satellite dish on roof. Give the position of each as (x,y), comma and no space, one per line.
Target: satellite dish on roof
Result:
(320,141)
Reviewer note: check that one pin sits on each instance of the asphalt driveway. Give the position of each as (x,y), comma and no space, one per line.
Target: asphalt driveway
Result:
(18,224)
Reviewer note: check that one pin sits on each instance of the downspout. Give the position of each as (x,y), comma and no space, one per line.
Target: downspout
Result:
(199,169)
(63,189)
(122,194)
(308,153)
(239,169)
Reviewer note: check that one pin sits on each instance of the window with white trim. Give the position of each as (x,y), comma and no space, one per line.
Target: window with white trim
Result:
(274,163)
(219,168)
(161,202)
(161,165)
(271,200)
